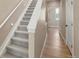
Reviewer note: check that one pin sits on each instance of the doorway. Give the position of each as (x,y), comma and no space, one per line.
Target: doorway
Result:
(53,8)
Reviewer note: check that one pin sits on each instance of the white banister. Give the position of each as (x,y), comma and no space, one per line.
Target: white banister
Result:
(3,23)
(32,27)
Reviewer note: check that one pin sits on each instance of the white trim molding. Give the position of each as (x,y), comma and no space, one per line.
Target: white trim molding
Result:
(67,44)
(43,46)
(62,37)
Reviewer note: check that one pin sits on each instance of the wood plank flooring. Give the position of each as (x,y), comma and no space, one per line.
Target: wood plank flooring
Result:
(55,46)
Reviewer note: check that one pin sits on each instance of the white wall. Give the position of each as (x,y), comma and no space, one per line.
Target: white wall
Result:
(76,28)
(6,7)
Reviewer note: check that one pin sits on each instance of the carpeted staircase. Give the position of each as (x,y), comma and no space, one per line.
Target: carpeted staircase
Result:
(18,47)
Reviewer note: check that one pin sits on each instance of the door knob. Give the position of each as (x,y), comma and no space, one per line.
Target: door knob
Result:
(66,25)
(71,24)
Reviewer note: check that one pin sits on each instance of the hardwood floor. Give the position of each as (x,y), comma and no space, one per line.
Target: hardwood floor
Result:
(55,46)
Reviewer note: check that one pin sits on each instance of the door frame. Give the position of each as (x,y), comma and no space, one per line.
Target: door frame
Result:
(71,48)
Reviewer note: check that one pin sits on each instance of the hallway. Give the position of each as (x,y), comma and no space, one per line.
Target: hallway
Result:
(55,46)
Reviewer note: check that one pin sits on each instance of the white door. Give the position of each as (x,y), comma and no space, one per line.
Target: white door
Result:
(69,23)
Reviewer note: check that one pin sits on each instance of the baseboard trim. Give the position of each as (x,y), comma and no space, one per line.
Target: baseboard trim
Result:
(62,37)
(70,49)
(65,42)
(7,40)
(43,46)
(53,27)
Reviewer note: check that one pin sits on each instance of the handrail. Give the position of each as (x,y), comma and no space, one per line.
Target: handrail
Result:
(3,23)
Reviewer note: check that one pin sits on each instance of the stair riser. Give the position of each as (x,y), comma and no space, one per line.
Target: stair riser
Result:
(24,23)
(30,8)
(21,35)
(19,54)
(8,55)
(23,44)
(33,3)
(22,28)
(29,11)
(28,14)
(26,19)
